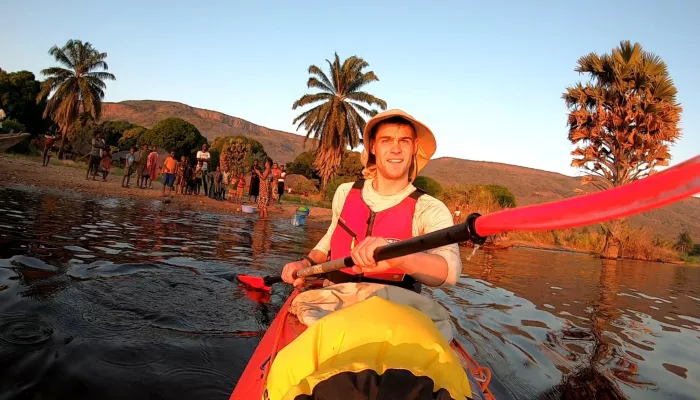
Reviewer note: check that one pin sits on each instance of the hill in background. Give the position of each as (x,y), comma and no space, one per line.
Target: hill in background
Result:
(530,186)
(281,146)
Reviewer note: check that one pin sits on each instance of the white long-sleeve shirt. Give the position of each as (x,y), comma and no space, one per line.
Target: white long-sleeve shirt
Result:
(430,215)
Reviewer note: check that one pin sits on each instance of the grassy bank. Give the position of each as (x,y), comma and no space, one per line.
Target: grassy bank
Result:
(637,243)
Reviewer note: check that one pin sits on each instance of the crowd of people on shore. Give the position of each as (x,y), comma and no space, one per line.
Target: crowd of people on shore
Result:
(267,183)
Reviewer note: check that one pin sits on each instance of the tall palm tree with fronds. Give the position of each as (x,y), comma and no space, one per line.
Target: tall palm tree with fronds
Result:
(337,122)
(76,87)
(622,121)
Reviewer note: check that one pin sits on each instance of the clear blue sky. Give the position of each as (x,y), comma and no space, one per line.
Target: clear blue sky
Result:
(487,77)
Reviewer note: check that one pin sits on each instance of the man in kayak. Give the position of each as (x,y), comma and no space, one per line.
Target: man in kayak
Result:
(385,207)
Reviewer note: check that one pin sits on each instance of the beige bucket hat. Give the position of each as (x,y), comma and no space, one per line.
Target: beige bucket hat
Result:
(425,137)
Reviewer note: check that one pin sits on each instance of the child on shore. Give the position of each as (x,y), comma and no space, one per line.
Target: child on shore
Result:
(240,187)
(106,164)
(129,167)
(169,169)
(198,179)
(217,183)
(180,176)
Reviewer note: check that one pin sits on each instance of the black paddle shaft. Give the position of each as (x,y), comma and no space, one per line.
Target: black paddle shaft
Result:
(454,234)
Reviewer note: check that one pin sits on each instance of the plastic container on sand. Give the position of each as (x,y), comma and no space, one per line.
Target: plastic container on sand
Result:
(248,209)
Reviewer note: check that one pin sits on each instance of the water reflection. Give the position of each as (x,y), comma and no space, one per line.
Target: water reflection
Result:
(111,298)
(556,325)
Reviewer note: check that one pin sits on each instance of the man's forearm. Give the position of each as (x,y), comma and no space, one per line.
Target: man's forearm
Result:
(318,256)
(429,269)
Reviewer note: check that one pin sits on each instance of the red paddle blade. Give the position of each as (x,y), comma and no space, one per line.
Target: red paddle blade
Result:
(253,282)
(258,296)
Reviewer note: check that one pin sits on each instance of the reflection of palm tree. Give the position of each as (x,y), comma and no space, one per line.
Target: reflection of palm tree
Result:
(589,382)
(45,217)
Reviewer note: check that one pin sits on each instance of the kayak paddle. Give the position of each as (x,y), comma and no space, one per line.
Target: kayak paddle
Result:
(655,191)
(453,234)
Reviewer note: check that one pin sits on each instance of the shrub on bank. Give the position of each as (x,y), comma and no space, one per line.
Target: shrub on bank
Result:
(305,187)
(429,185)
(333,186)
(482,199)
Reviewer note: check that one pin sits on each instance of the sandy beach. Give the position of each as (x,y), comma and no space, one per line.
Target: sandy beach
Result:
(21,171)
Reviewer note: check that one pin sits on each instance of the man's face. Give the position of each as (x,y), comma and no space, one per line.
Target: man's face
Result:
(204,147)
(172,154)
(393,147)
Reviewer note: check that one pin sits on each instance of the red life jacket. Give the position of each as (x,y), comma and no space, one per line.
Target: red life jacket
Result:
(357,222)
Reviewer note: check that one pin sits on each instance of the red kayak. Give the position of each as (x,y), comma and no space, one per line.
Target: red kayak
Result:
(285,328)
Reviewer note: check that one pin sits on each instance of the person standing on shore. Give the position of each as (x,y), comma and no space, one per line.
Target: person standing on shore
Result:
(203,158)
(49,139)
(141,161)
(98,144)
(106,163)
(180,176)
(265,180)
(152,166)
(129,166)
(280,184)
(240,188)
(276,173)
(254,189)
(217,183)
(169,168)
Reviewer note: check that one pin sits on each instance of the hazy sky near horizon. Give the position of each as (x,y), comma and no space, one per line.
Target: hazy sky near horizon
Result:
(487,77)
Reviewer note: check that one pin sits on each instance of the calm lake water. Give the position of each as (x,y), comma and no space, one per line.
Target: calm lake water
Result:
(115,298)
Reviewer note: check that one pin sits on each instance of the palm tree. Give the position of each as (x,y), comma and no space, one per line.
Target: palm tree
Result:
(622,121)
(78,88)
(337,122)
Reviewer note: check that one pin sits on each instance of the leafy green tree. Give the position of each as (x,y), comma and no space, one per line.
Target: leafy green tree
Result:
(174,134)
(75,88)
(336,121)
(303,164)
(503,196)
(429,185)
(18,92)
(131,137)
(350,165)
(622,121)
(114,130)
(11,125)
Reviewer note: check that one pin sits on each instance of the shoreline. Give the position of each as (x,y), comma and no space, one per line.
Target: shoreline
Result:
(26,171)
(60,175)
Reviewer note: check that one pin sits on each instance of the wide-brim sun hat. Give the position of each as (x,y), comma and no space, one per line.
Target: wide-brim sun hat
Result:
(424,136)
